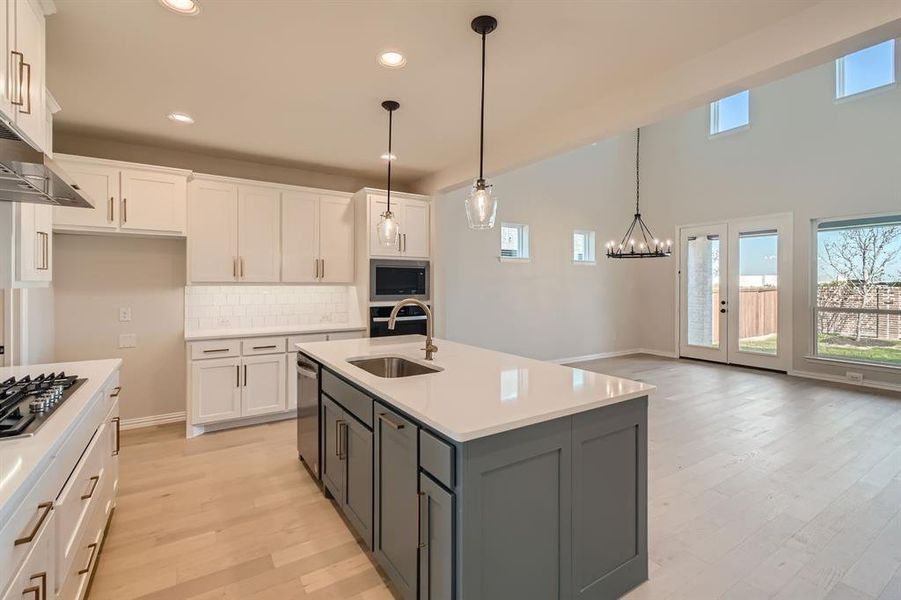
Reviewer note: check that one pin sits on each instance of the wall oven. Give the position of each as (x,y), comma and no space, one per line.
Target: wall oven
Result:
(410,319)
(398,279)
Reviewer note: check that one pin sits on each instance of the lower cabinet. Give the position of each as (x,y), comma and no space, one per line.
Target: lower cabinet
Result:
(263,391)
(36,578)
(216,389)
(435,541)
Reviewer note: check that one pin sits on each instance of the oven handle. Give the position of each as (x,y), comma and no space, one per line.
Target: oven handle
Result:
(399,319)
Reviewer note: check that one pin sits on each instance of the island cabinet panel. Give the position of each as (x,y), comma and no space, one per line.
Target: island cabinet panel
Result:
(395,497)
(516,528)
(350,398)
(436,544)
(610,500)
(436,457)
(333,422)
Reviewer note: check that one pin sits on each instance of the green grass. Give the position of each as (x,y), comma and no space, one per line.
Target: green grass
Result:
(839,347)
(764,344)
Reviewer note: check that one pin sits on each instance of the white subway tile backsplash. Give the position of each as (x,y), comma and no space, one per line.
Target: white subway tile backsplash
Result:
(224,307)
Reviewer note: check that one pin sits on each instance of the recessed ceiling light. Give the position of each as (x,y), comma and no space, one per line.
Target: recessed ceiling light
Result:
(181,118)
(392,59)
(182,7)
(387,156)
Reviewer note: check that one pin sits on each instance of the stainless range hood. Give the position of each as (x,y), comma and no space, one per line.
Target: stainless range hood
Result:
(29,175)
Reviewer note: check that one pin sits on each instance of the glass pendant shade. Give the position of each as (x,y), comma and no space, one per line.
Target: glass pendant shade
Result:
(387,230)
(481,206)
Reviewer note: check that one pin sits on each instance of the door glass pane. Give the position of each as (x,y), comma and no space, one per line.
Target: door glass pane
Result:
(758,291)
(703,291)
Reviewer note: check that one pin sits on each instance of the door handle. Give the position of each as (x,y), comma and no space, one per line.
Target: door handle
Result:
(125,210)
(87,567)
(235,267)
(419,498)
(26,89)
(45,507)
(111,201)
(383,417)
(722,310)
(245,375)
(118,422)
(94,481)
(315,268)
(322,274)
(237,375)
(339,446)
(16,99)
(40,591)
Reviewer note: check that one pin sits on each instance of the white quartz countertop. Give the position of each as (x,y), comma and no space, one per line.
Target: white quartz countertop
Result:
(478,392)
(22,460)
(239,332)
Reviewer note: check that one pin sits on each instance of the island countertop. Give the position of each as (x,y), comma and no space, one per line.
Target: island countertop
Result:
(478,392)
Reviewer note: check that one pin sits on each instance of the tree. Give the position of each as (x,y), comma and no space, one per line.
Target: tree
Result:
(860,258)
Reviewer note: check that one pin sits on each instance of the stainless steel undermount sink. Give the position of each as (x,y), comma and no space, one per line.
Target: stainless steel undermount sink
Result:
(391,367)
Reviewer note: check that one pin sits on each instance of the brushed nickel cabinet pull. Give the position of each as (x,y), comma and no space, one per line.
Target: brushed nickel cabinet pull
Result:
(38,250)
(16,99)
(118,423)
(241,262)
(315,268)
(322,272)
(125,210)
(237,375)
(245,375)
(111,200)
(384,418)
(26,91)
(338,424)
(235,267)
(45,508)
(419,497)
(36,590)
(94,480)
(42,587)
(216,350)
(116,391)
(87,567)
(269,347)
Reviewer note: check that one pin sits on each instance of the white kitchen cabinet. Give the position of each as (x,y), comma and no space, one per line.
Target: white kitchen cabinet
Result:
(212,231)
(27,71)
(412,216)
(100,183)
(37,576)
(7,37)
(153,201)
(336,239)
(258,234)
(300,237)
(264,386)
(216,389)
(34,240)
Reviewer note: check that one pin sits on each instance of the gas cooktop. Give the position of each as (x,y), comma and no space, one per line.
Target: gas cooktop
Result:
(26,403)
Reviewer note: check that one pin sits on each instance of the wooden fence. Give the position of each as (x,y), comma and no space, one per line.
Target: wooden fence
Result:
(758,312)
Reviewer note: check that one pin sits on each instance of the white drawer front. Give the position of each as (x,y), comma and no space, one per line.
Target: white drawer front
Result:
(36,578)
(215,349)
(263,345)
(84,557)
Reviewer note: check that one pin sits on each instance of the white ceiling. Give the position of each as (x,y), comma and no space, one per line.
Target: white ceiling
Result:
(298,82)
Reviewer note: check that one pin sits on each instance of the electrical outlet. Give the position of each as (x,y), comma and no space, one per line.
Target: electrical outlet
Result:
(224,322)
(128,340)
(854,376)
(124,314)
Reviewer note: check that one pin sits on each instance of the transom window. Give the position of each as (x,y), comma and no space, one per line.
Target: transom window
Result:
(514,241)
(583,247)
(865,70)
(730,113)
(858,303)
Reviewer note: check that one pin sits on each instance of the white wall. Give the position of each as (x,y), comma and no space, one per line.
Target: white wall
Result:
(804,152)
(547,308)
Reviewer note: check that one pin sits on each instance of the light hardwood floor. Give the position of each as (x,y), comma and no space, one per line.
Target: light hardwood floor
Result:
(761,486)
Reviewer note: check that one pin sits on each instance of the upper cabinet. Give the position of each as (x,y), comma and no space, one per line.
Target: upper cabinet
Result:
(27,69)
(412,214)
(128,198)
(26,255)
(239,232)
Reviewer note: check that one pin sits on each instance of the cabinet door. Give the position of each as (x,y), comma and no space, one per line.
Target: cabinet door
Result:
(300,237)
(212,231)
(43,233)
(29,41)
(336,239)
(258,234)
(415,231)
(29,246)
(216,390)
(377,206)
(333,423)
(6,44)
(153,202)
(357,504)
(436,531)
(101,185)
(396,476)
(37,577)
(264,385)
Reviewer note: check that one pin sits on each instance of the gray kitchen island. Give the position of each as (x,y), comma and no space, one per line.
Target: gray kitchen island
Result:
(483,475)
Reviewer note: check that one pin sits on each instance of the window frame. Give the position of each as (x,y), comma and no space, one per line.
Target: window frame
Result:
(591,247)
(714,111)
(814,306)
(839,74)
(525,250)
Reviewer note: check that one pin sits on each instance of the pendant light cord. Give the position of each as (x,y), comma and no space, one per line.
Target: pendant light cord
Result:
(390,127)
(482,121)
(637,170)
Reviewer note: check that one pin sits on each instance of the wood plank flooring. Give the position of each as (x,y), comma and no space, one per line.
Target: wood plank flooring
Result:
(761,486)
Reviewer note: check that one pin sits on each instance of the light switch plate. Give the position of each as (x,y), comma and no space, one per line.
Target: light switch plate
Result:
(128,340)
(124,314)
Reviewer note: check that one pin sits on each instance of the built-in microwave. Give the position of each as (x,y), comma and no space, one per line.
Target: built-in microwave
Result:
(398,279)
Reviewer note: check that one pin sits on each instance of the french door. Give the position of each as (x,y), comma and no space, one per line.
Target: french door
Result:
(735,292)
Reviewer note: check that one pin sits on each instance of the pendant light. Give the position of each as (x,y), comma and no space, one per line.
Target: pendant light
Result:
(481,205)
(387,229)
(638,233)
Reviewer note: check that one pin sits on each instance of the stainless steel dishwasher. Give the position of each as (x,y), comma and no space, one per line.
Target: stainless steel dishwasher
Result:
(308,412)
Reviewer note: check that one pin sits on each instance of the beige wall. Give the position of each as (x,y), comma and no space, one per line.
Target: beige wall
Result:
(95,275)
(70,143)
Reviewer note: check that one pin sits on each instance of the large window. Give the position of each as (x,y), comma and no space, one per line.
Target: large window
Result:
(514,241)
(858,299)
(866,69)
(730,113)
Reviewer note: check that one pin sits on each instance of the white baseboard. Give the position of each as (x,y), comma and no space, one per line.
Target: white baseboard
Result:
(660,353)
(243,422)
(879,385)
(138,422)
(615,353)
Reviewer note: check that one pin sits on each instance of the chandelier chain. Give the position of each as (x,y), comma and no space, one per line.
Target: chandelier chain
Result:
(637,169)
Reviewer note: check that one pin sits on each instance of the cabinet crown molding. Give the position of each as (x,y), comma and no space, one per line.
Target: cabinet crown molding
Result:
(121,164)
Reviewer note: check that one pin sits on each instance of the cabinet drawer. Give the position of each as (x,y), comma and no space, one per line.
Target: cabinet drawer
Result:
(26,525)
(437,457)
(36,578)
(349,397)
(85,555)
(215,349)
(266,345)
(304,338)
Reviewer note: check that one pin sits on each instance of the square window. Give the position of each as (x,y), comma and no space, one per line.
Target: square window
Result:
(730,113)
(864,70)
(514,241)
(583,247)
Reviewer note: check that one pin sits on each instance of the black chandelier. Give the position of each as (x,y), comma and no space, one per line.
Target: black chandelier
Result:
(639,242)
